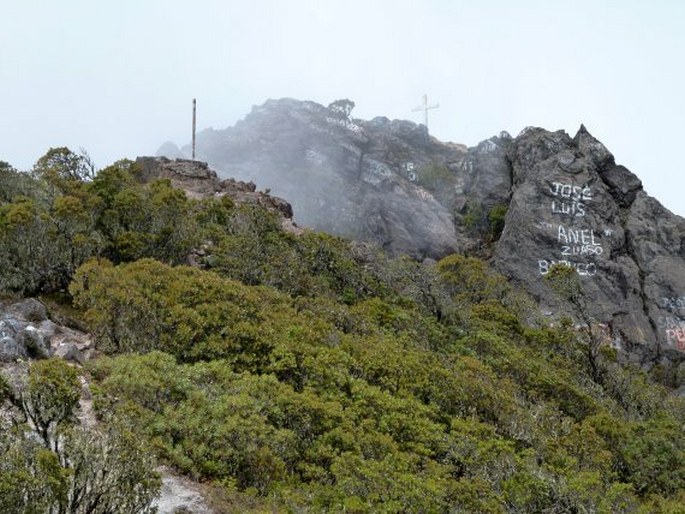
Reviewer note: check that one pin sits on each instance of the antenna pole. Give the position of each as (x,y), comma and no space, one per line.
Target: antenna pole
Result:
(194,117)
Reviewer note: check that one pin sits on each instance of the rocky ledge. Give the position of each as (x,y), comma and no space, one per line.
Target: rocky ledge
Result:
(198,180)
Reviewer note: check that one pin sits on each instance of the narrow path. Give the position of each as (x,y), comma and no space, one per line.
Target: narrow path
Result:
(179,495)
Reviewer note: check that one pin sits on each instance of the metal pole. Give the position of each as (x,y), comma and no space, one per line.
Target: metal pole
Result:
(194,117)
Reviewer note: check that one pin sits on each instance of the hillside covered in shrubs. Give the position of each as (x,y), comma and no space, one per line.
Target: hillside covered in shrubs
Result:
(307,373)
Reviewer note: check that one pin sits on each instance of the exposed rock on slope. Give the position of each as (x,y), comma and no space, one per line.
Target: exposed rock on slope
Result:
(179,494)
(26,331)
(565,200)
(198,181)
(343,176)
(572,203)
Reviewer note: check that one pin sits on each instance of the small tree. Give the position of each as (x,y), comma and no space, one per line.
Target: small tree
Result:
(496,218)
(565,283)
(68,468)
(61,168)
(469,281)
(50,399)
(14,183)
(342,108)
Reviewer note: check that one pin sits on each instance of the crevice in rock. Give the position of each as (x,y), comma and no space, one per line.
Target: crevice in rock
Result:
(632,254)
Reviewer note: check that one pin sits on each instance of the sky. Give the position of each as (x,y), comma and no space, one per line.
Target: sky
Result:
(117,77)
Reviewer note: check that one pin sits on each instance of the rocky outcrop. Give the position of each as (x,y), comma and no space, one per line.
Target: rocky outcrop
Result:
(565,198)
(571,203)
(27,332)
(383,181)
(198,181)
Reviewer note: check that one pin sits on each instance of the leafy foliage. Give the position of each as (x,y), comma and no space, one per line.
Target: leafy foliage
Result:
(61,166)
(308,373)
(496,217)
(68,468)
(52,393)
(13,182)
(485,223)
(355,407)
(565,283)
(342,108)
(66,218)
(439,180)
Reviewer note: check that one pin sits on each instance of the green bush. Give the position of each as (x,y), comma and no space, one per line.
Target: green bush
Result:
(311,372)
(54,465)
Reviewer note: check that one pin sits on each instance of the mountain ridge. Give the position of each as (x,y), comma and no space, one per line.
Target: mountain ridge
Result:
(522,202)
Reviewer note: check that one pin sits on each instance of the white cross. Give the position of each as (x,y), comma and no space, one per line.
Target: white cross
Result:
(425,108)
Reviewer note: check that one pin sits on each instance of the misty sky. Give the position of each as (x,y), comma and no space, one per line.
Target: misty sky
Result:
(116,77)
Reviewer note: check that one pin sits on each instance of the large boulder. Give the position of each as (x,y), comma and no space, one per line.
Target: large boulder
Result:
(36,342)
(11,350)
(29,310)
(571,203)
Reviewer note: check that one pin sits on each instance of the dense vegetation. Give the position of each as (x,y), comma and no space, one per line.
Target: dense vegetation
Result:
(301,373)
(51,464)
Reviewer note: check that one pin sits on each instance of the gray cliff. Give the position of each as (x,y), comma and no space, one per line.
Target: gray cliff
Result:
(342,176)
(570,202)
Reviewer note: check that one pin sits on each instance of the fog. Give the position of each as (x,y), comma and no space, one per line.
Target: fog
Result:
(118,78)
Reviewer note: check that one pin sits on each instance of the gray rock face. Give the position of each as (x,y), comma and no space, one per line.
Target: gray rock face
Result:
(26,332)
(36,342)
(566,200)
(19,338)
(571,203)
(70,352)
(11,350)
(30,310)
(344,176)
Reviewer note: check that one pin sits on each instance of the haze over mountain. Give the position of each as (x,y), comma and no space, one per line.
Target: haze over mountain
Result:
(491,66)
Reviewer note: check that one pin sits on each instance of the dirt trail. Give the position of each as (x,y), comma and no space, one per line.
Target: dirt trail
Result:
(180,494)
